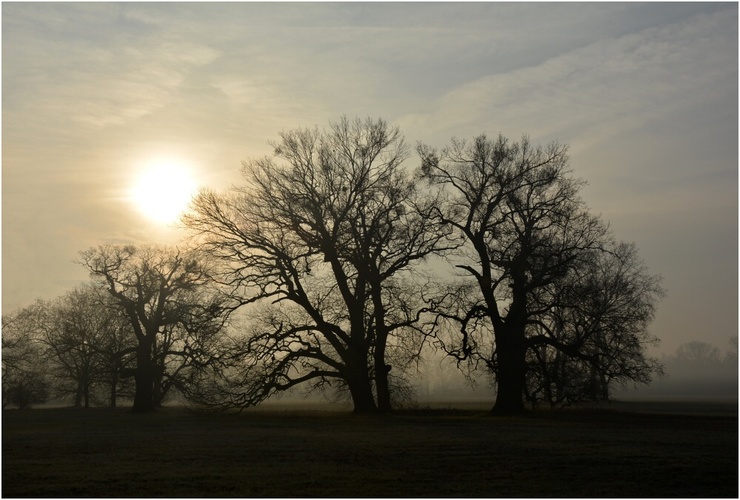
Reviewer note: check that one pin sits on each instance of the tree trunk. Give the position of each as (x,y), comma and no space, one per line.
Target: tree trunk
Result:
(360,386)
(381,369)
(144,377)
(382,388)
(114,382)
(510,379)
(78,395)
(157,395)
(362,398)
(604,386)
(86,393)
(113,392)
(381,381)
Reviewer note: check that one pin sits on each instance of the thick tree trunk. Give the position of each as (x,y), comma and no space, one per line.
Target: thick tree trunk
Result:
(362,398)
(510,379)
(360,386)
(144,376)
(157,395)
(382,387)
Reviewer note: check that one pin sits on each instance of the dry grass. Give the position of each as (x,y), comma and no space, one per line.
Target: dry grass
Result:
(177,453)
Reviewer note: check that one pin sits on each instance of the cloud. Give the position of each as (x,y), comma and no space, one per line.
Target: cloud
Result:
(597,90)
(82,78)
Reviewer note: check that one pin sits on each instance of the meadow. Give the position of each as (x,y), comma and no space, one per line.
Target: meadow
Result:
(642,450)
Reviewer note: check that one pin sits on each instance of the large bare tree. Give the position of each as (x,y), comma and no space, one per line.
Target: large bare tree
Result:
(529,242)
(328,230)
(158,290)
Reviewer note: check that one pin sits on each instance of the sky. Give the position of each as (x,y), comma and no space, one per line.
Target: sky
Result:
(644,94)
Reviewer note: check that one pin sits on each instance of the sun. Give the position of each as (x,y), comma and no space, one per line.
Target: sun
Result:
(163,190)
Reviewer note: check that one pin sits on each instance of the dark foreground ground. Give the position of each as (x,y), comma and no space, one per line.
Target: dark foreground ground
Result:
(639,451)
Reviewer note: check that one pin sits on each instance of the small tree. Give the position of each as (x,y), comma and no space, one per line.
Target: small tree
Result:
(24,378)
(530,243)
(116,350)
(70,328)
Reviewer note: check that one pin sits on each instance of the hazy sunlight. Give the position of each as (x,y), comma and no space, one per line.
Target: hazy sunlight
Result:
(163,190)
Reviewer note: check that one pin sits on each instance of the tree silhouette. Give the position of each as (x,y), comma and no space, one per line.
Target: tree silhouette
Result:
(530,245)
(86,343)
(328,232)
(595,333)
(25,380)
(158,289)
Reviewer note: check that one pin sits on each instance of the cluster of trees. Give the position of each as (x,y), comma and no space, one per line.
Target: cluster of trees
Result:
(345,264)
(150,316)
(74,346)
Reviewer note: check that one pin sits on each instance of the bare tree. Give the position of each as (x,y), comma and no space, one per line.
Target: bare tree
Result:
(528,238)
(25,380)
(116,349)
(697,352)
(327,231)
(158,289)
(70,329)
(76,330)
(595,332)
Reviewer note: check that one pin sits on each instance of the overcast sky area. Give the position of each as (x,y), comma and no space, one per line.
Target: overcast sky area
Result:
(646,95)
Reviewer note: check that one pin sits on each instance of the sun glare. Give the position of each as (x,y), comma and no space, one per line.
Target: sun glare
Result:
(163,190)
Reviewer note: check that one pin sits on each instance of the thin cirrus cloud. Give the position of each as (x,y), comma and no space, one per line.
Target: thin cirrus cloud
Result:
(607,85)
(91,87)
(621,103)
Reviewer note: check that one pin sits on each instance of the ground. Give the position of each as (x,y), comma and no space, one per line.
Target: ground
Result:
(622,451)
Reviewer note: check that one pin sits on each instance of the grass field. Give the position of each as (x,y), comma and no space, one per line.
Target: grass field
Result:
(638,451)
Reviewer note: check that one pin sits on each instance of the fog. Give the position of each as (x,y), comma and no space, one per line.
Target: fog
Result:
(696,371)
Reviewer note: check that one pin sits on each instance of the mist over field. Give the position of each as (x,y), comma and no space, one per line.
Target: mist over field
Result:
(712,376)
(696,371)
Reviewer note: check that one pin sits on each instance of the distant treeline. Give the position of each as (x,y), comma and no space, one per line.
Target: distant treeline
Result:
(697,370)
